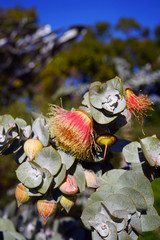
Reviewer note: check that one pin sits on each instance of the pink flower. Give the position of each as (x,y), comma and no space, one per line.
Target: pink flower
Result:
(138,105)
(72,131)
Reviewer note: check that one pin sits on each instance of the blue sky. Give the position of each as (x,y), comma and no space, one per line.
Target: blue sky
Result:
(63,13)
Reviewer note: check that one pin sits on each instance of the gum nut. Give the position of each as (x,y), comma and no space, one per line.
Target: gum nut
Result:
(67,202)
(91,179)
(69,186)
(21,194)
(46,208)
(32,147)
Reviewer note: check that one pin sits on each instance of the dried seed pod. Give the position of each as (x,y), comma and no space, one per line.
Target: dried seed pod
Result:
(69,186)
(32,147)
(21,194)
(67,202)
(46,208)
(91,179)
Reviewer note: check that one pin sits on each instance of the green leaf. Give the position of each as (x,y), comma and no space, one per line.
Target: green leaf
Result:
(136,223)
(133,235)
(97,196)
(96,236)
(110,188)
(15,236)
(33,192)
(85,100)
(151,149)
(46,181)
(116,84)
(8,230)
(6,225)
(124,236)
(89,212)
(137,181)
(26,132)
(40,130)
(136,196)
(108,96)
(67,159)
(60,176)
(111,177)
(7,121)
(30,174)
(20,122)
(20,156)
(80,177)
(119,202)
(150,220)
(102,116)
(50,159)
(132,152)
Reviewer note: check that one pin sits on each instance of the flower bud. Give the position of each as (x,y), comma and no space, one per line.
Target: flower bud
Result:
(91,179)
(106,140)
(21,194)
(69,186)
(67,202)
(46,208)
(32,147)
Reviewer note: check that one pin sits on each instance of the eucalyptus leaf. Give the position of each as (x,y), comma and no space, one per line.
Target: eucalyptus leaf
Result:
(26,132)
(97,196)
(89,212)
(150,219)
(124,236)
(15,236)
(85,100)
(80,177)
(30,174)
(150,222)
(60,176)
(119,202)
(67,159)
(111,177)
(20,156)
(109,188)
(116,83)
(20,122)
(96,236)
(136,223)
(7,121)
(50,159)
(33,192)
(136,196)
(102,116)
(151,149)
(40,130)
(137,181)
(6,225)
(133,153)
(46,181)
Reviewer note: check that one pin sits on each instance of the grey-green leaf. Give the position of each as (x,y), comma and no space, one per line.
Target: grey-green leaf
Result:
(60,176)
(46,181)
(137,181)
(40,130)
(151,149)
(67,159)
(50,159)
(30,174)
